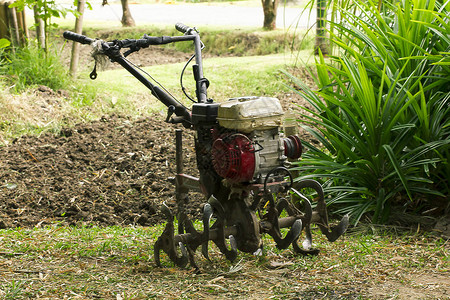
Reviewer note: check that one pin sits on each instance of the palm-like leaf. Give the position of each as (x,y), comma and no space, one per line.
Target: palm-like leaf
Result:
(382,107)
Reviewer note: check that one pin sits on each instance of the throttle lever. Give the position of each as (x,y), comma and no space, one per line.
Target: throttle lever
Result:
(128,52)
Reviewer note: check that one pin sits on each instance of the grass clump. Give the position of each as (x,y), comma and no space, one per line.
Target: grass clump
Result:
(382,110)
(30,66)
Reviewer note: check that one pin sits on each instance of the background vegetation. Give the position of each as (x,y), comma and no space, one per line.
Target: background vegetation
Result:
(24,70)
(218,41)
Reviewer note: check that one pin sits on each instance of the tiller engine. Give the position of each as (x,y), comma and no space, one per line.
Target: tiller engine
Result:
(243,153)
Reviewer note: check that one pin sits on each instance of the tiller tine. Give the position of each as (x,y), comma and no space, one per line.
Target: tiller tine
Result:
(207,214)
(337,230)
(319,216)
(307,244)
(220,238)
(291,236)
(273,229)
(189,239)
(195,239)
(167,243)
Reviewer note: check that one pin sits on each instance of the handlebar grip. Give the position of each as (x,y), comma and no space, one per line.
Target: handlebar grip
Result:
(181,27)
(69,35)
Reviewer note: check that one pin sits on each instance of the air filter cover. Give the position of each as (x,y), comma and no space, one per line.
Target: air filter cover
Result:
(247,114)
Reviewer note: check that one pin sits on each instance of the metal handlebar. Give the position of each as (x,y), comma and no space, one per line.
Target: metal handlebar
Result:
(182,28)
(112,50)
(69,35)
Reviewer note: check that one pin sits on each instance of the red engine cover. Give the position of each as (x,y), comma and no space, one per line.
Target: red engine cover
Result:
(233,157)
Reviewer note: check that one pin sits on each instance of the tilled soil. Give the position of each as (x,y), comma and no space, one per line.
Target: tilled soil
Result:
(112,171)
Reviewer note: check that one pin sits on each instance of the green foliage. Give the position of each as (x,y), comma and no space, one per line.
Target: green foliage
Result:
(382,111)
(31,66)
(45,10)
(12,290)
(4,43)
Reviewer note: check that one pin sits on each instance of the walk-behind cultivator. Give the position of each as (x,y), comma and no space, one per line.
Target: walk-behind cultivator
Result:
(243,151)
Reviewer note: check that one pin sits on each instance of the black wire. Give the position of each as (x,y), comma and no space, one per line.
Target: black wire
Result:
(182,74)
(181,79)
(146,73)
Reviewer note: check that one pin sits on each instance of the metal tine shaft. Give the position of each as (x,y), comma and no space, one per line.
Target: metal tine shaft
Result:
(233,243)
(291,236)
(207,214)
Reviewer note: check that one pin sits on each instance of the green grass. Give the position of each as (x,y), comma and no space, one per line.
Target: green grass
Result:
(57,261)
(30,67)
(229,77)
(115,91)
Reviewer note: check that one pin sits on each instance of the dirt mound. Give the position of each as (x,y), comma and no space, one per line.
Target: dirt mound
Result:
(111,171)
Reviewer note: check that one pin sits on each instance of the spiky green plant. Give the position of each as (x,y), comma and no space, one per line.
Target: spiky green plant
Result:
(382,108)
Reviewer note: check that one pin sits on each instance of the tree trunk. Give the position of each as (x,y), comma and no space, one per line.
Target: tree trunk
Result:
(40,34)
(13,25)
(127,19)
(321,40)
(270,13)
(76,46)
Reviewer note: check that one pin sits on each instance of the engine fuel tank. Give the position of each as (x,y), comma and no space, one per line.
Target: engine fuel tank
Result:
(247,114)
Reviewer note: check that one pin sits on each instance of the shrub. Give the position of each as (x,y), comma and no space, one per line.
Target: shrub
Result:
(382,108)
(32,66)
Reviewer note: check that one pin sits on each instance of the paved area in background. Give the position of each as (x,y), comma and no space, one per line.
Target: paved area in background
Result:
(200,14)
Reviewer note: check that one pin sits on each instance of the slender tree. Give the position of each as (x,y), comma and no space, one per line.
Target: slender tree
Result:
(39,25)
(78,29)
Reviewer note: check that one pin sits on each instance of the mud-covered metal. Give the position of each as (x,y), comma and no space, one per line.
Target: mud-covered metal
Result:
(247,212)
